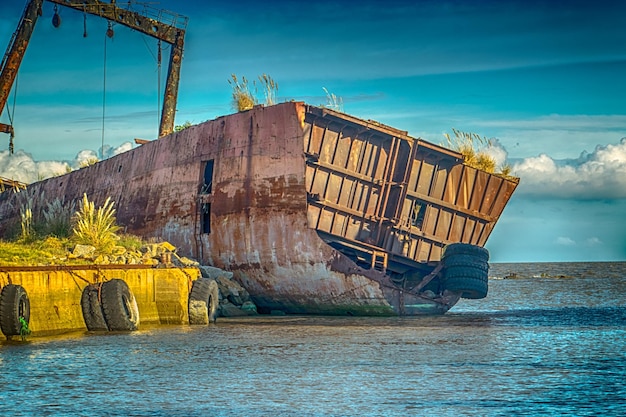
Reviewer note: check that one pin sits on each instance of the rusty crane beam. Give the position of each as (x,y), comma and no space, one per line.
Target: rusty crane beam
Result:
(13,57)
(172,32)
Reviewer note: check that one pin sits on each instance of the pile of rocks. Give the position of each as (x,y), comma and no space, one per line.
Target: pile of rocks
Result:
(163,253)
(234,299)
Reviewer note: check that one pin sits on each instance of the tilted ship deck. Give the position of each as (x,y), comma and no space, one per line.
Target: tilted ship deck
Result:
(314,211)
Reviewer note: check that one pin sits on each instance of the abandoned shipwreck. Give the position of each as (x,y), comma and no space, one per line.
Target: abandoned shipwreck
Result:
(314,211)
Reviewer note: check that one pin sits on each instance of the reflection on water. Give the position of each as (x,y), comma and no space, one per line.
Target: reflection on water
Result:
(535,346)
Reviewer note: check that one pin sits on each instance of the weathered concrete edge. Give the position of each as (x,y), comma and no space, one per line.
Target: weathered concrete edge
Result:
(55,292)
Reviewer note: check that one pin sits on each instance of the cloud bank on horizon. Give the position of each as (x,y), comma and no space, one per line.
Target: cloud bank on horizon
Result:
(596,175)
(23,168)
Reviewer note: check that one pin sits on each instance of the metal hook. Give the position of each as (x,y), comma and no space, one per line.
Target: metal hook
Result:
(56,19)
(110,32)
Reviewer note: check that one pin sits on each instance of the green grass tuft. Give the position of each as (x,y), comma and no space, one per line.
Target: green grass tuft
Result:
(49,251)
(96,227)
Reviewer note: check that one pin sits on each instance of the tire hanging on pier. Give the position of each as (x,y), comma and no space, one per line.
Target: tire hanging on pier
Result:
(466,270)
(203,301)
(14,305)
(119,306)
(92,308)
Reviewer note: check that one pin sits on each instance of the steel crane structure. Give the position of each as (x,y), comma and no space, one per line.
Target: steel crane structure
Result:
(166,26)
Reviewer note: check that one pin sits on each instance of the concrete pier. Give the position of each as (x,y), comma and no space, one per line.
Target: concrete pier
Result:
(55,293)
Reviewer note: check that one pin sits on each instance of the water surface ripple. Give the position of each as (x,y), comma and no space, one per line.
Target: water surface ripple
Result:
(540,344)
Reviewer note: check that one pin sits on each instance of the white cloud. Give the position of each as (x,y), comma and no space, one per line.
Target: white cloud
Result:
(84,157)
(497,152)
(565,241)
(593,241)
(87,155)
(22,167)
(124,147)
(600,174)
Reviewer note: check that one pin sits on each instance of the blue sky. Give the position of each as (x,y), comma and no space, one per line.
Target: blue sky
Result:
(544,78)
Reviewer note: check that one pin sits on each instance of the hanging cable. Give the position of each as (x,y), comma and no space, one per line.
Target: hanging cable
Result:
(11,115)
(159,84)
(104,92)
(11,136)
(84,21)
(158,60)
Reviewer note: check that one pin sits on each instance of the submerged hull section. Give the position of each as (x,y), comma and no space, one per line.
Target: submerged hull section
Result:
(313,211)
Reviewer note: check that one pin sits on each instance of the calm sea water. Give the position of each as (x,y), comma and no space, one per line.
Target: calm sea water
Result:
(549,342)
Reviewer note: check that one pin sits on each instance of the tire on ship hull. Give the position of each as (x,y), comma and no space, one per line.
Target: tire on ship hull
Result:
(466,270)
(471,284)
(119,306)
(203,301)
(466,261)
(14,304)
(476,252)
(92,309)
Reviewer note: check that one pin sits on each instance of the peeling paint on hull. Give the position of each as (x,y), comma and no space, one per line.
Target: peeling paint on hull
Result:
(313,211)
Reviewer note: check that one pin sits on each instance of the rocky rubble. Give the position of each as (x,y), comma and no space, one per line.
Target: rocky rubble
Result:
(163,253)
(234,299)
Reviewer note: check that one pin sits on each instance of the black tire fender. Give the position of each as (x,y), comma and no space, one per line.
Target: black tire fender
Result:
(470,288)
(92,308)
(468,261)
(119,306)
(472,283)
(465,249)
(203,301)
(14,304)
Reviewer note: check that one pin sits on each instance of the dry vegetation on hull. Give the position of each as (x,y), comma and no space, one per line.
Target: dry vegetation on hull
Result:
(475,151)
(54,251)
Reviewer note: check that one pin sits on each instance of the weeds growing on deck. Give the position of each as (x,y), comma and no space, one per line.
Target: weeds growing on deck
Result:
(243,99)
(48,236)
(474,149)
(57,219)
(333,102)
(244,94)
(37,252)
(26,215)
(270,88)
(89,162)
(96,227)
(182,127)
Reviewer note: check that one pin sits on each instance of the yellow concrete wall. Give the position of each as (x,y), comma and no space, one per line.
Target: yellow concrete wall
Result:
(161,294)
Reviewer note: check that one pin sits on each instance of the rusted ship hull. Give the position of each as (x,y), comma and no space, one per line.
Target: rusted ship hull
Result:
(313,211)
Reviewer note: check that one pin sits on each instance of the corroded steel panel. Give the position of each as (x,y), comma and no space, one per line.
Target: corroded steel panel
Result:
(407,197)
(466,187)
